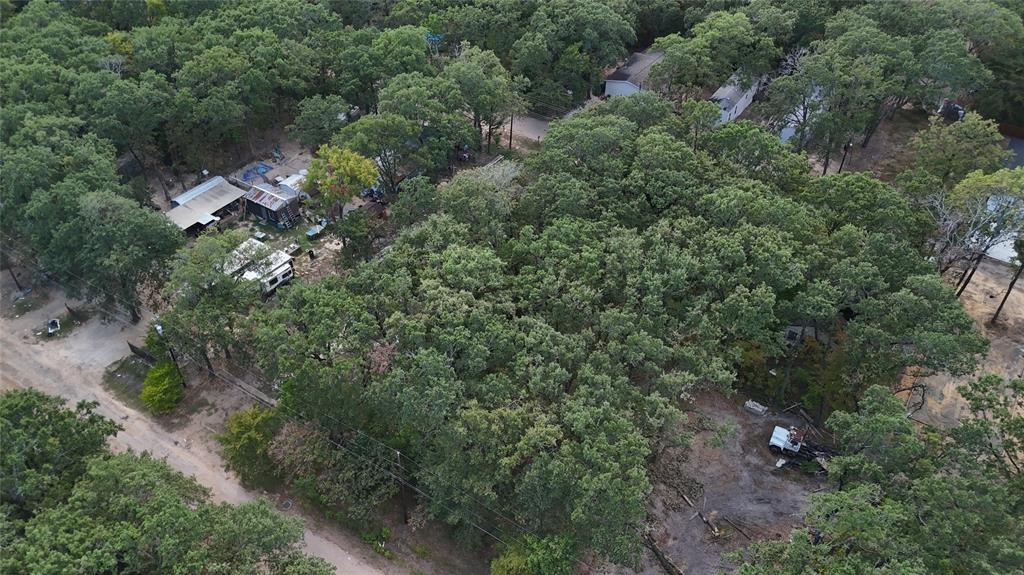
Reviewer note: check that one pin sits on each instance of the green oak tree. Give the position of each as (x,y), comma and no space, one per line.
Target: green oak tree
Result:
(208,297)
(47,448)
(490,93)
(319,119)
(393,141)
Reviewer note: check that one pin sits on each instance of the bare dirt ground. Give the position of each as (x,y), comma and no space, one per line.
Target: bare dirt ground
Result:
(73,367)
(732,474)
(943,405)
(886,153)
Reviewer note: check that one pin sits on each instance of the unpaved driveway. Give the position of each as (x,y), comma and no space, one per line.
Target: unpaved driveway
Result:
(72,367)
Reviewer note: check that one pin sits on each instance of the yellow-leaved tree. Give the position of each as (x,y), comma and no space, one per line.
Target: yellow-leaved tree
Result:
(338,174)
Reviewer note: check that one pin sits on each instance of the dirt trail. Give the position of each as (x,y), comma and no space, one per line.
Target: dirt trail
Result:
(73,367)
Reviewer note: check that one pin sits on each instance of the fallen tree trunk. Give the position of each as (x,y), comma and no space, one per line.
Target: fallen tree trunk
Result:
(666,563)
(707,520)
(737,527)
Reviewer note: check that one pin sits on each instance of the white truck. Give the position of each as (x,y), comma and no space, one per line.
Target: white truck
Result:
(792,444)
(786,441)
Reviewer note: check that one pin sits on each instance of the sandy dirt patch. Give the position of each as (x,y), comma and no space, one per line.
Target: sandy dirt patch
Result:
(943,406)
(73,367)
(730,474)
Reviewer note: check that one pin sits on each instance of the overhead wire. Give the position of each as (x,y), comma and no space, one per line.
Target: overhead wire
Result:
(277,405)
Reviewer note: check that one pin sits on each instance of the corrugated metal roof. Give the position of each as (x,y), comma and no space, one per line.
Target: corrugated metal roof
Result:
(198,190)
(269,198)
(730,93)
(198,205)
(294,181)
(255,260)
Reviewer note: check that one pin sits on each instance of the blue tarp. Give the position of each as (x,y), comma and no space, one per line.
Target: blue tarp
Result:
(314,231)
(255,172)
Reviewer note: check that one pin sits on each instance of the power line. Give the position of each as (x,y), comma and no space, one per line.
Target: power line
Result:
(533,98)
(260,400)
(422,468)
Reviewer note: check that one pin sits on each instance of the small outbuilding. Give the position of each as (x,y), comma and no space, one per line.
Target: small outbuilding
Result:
(277,206)
(631,77)
(294,184)
(1006,250)
(205,204)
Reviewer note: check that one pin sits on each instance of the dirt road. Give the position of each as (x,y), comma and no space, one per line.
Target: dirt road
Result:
(73,367)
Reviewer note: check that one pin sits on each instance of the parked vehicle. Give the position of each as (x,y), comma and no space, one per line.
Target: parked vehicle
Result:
(792,443)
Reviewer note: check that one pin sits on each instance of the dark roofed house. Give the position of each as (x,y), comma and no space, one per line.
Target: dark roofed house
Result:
(278,206)
(204,204)
(631,77)
(1016,158)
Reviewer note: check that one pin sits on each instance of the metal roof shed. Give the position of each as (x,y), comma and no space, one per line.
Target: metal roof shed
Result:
(274,205)
(200,205)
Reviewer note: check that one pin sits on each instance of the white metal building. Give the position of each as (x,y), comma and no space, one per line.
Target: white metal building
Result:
(733,99)
(204,204)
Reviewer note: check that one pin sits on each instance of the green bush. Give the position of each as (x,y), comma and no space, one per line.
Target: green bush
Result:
(163,388)
(553,555)
(378,538)
(155,344)
(246,441)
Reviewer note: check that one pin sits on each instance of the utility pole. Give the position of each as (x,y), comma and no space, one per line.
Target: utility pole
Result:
(511,123)
(174,358)
(18,284)
(846,150)
(401,483)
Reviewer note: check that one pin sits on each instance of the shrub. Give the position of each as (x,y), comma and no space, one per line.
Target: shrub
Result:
(378,538)
(246,442)
(155,344)
(552,555)
(163,388)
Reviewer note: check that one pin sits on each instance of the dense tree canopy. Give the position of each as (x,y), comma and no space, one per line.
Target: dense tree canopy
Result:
(533,328)
(527,340)
(877,57)
(46,448)
(70,506)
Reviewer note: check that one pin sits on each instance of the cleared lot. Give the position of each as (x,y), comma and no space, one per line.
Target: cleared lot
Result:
(729,475)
